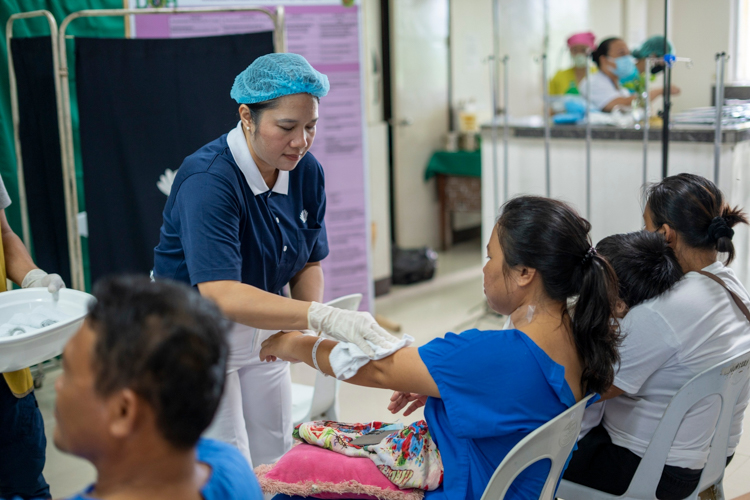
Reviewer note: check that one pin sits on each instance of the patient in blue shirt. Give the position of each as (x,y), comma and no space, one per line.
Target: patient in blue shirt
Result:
(142,379)
(484,391)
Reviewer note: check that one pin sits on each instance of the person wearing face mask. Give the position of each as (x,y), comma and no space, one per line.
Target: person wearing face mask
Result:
(566,81)
(244,218)
(616,65)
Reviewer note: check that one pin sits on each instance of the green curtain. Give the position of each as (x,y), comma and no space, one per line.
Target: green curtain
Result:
(109,27)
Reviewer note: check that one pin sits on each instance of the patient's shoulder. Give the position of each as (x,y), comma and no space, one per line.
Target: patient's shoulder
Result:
(231,476)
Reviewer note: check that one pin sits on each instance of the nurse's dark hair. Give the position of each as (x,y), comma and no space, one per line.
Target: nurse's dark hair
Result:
(167,344)
(695,208)
(644,263)
(550,237)
(256,109)
(603,49)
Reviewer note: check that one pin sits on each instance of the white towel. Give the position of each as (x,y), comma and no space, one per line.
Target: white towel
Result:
(40,317)
(346,359)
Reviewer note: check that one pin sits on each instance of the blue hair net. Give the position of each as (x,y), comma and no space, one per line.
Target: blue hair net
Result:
(654,45)
(275,75)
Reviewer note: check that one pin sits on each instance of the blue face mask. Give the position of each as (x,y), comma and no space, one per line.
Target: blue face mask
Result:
(625,69)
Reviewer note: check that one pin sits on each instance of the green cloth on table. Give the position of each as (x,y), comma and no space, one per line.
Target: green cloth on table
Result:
(459,163)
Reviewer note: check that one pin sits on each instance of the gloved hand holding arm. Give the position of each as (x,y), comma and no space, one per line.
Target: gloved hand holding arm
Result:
(251,306)
(349,326)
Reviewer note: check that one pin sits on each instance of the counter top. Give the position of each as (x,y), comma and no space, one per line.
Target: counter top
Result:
(533,127)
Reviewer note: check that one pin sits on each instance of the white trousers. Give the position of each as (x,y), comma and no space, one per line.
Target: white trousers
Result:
(255,413)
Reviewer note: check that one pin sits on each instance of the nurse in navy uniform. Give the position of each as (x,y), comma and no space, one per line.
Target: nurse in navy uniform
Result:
(245,217)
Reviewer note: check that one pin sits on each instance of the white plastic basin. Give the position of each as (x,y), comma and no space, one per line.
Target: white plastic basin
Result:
(28,349)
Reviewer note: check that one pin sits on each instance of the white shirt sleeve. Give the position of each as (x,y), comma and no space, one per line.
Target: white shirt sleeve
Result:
(603,91)
(647,344)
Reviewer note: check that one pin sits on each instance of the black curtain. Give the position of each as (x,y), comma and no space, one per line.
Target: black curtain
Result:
(40,151)
(144,105)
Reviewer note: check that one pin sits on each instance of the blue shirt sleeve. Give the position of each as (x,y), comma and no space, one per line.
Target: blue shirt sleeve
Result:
(209,212)
(320,250)
(491,383)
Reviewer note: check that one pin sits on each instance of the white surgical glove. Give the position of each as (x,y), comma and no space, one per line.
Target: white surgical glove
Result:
(36,278)
(349,326)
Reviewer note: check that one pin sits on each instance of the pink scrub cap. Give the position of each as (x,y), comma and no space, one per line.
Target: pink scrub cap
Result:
(586,38)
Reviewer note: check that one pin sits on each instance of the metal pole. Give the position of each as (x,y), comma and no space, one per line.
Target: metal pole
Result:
(545,96)
(23,202)
(588,136)
(66,129)
(646,113)
(719,97)
(279,29)
(667,100)
(495,177)
(506,127)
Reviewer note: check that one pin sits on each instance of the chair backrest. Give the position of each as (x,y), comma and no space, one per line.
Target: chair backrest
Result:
(726,380)
(324,395)
(553,440)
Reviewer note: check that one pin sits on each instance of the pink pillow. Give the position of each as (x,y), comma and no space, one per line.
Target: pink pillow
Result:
(311,471)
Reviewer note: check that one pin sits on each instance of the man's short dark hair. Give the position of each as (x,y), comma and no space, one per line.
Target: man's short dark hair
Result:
(165,342)
(645,264)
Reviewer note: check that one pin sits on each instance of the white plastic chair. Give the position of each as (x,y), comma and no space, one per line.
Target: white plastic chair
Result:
(725,379)
(554,441)
(321,400)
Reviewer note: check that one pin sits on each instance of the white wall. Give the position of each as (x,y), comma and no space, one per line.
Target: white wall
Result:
(419,62)
(471,45)
(522,38)
(377,142)
(607,18)
(700,29)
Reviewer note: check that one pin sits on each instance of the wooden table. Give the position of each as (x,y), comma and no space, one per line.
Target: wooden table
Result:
(459,186)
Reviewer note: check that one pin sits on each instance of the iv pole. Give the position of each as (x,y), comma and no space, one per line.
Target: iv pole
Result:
(667,100)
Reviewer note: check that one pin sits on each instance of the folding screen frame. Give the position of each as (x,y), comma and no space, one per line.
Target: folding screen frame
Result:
(26,231)
(66,126)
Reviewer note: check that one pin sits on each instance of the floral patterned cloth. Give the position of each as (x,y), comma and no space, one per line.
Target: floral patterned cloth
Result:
(408,457)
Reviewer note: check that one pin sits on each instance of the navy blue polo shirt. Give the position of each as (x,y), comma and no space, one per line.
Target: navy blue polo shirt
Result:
(221,221)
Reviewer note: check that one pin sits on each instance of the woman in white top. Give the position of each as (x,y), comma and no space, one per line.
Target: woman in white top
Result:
(615,63)
(667,341)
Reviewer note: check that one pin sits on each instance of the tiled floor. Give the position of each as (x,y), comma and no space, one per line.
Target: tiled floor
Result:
(453,301)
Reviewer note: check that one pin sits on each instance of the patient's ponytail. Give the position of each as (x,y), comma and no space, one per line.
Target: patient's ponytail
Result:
(695,207)
(595,333)
(550,237)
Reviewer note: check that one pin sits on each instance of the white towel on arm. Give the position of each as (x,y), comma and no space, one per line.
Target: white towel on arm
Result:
(346,359)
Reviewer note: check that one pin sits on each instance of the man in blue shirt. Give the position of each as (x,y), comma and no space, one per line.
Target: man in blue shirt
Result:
(141,381)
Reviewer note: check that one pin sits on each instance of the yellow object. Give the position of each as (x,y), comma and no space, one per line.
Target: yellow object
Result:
(563,82)
(468,121)
(20,382)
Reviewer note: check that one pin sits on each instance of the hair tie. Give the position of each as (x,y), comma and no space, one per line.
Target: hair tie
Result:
(719,229)
(589,255)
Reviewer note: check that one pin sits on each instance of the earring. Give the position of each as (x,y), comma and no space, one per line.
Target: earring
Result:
(247,128)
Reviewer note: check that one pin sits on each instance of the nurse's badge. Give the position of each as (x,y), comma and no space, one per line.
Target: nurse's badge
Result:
(303,216)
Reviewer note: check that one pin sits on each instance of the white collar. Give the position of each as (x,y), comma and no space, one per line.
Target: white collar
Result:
(243,158)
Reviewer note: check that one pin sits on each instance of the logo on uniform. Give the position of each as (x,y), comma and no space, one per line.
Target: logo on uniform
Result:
(303,216)
(165,181)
